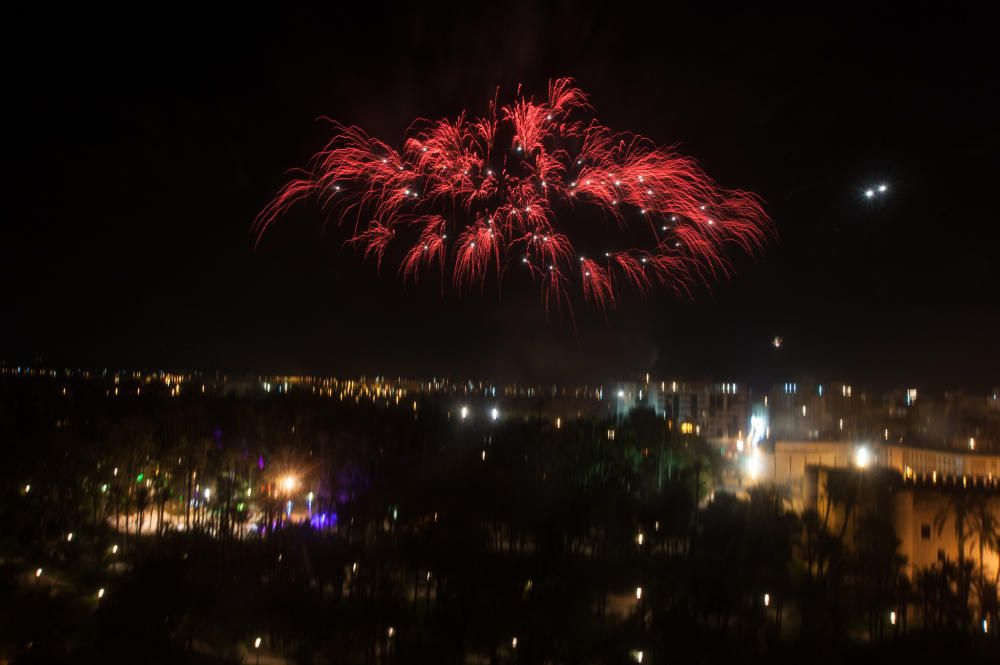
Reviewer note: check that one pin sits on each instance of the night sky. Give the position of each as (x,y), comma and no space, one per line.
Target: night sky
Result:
(141,142)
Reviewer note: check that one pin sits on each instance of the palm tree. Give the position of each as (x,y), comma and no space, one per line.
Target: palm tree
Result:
(959,507)
(986,534)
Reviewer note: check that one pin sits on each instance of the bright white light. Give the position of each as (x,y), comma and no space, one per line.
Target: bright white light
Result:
(38,573)
(114,549)
(758,427)
(100,593)
(69,537)
(892,617)
(621,393)
(513,643)
(638,593)
(288,483)
(208,493)
(869,193)
(862,457)
(256,643)
(882,188)
(494,413)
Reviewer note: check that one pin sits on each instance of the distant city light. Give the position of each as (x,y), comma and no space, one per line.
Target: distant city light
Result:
(100,593)
(777,341)
(38,572)
(758,428)
(494,413)
(464,412)
(256,643)
(862,457)
(767,599)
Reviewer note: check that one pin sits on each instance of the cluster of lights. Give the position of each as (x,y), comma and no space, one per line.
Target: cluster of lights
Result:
(872,191)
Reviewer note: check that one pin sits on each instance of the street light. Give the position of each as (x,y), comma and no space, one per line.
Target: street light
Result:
(256,648)
(100,593)
(862,457)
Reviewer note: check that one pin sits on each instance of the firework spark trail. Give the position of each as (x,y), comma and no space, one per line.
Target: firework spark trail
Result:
(506,186)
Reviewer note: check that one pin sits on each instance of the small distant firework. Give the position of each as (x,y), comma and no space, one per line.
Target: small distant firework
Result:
(478,197)
(777,342)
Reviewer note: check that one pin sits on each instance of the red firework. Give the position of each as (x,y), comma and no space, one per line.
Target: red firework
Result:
(478,197)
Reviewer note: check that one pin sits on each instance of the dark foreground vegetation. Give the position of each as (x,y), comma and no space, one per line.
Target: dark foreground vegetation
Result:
(446,541)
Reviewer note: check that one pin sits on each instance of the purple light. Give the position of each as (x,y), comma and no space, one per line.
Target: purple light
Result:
(260,462)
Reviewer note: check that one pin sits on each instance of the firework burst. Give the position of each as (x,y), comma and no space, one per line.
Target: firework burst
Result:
(479,197)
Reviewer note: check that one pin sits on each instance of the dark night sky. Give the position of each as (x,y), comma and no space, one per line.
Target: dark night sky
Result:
(140,143)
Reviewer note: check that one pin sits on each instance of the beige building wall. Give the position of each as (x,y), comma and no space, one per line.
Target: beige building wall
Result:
(799,467)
